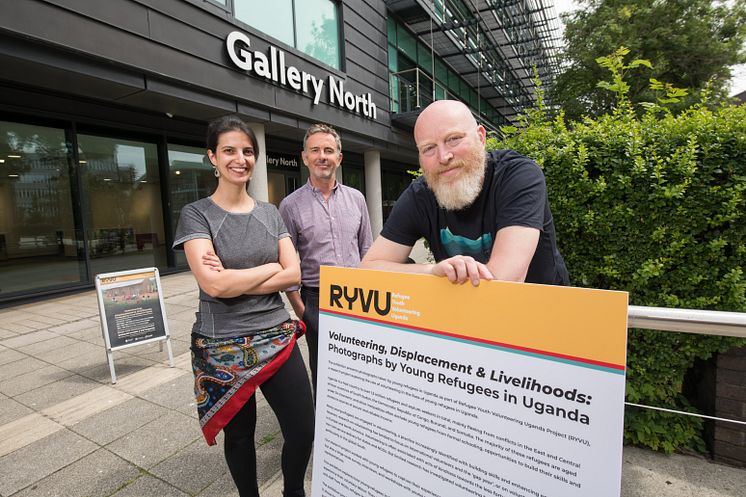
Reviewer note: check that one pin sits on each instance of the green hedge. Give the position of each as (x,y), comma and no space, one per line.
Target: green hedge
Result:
(652,205)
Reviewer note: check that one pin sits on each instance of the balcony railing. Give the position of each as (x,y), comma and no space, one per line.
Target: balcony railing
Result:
(413,89)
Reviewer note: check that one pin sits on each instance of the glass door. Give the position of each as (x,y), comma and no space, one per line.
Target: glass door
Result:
(40,243)
(123,213)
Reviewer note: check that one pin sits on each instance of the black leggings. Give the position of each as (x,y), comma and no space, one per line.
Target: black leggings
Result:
(288,393)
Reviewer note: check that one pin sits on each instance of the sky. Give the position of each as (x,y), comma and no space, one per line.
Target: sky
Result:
(738,83)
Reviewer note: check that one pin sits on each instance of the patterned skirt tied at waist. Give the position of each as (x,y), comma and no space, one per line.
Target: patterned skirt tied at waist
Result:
(227,371)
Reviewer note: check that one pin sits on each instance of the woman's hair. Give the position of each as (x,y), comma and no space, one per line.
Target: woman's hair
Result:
(225,124)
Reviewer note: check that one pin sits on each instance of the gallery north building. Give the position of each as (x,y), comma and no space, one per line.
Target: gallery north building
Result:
(104,105)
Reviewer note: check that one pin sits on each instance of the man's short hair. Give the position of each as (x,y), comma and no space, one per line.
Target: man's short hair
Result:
(323,128)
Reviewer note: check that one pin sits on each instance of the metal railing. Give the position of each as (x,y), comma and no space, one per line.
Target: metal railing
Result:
(717,323)
(413,89)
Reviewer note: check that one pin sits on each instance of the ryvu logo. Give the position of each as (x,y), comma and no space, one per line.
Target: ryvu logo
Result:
(337,294)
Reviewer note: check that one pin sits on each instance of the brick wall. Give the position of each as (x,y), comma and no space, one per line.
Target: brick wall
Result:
(729,444)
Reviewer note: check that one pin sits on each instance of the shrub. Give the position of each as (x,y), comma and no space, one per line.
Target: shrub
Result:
(652,205)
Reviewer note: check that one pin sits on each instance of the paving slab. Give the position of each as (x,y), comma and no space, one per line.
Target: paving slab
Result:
(118,421)
(30,338)
(59,391)
(25,431)
(11,410)
(8,355)
(14,314)
(27,380)
(177,395)
(91,334)
(76,348)
(5,334)
(70,327)
(196,459)
(21,364)
(37,349)
(18,328)
(140,381)
(98,369)
(273,486)
(151,350)
(651,474)
(50,319)
(98,474)
(222,487)
(147,485)
(26,466)
(156,441)
(33,323)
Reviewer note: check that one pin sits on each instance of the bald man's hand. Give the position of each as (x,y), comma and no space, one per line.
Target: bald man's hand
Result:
(462,268)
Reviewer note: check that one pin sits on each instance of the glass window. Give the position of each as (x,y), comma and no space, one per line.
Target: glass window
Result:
(393,183)
(454,83)
(440,9)
(407,43)
(317,30)
(393,59)
(311,26)
(190,179)
(274,18)
(122,199)
(39,242)
(394,92)
(354,177)
(425,58)
(391,29)
(441,71)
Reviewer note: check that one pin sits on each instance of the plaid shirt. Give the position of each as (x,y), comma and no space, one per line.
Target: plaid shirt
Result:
(333,232)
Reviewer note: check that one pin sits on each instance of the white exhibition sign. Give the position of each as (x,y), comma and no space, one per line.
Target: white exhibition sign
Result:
(427,388)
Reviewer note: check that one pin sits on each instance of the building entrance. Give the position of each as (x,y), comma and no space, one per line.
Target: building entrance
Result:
(281,184)
(283,175)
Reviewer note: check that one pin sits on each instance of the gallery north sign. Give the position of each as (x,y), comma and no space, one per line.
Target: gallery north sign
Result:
(272,66)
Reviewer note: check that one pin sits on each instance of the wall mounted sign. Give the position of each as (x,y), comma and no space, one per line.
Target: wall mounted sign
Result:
(272,66)
(283,161)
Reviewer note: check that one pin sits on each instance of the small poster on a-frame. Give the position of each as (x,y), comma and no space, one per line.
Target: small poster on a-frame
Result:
(132,311)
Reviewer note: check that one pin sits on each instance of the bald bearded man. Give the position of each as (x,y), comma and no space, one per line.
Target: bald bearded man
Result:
(485,216)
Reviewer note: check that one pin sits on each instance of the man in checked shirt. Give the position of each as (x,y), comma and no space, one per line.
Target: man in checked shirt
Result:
(328,223)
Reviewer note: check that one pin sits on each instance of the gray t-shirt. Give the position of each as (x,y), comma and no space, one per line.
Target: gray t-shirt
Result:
(241,241)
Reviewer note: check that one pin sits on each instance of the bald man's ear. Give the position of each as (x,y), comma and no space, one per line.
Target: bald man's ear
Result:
(482,134)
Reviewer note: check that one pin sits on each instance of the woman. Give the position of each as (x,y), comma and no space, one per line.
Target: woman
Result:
(239,251)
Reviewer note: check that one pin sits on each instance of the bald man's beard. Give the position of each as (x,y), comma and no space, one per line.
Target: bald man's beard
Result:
(463,191)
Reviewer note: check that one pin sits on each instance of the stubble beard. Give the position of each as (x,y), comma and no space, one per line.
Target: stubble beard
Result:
(462,192)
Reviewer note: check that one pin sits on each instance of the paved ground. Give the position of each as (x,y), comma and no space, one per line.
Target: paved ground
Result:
(66,431)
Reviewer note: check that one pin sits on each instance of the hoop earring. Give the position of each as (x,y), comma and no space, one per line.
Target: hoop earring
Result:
(216,171)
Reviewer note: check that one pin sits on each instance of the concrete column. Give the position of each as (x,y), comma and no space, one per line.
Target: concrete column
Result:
(259,187)
(373,191)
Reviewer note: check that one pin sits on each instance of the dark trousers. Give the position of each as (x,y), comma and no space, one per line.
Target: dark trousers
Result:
(289,395)
(310,298)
